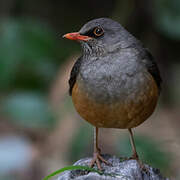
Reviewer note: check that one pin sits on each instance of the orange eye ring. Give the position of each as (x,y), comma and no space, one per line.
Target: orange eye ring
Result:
(98,31)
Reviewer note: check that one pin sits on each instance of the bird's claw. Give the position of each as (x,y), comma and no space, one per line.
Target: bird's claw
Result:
(96,160)
(141,165)
(134,156)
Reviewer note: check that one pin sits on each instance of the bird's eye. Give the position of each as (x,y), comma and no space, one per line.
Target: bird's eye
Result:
(98,31)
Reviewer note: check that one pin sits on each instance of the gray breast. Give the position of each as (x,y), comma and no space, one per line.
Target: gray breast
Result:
(111,78)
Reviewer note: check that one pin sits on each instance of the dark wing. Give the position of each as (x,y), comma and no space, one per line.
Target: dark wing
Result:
(153,69)
(73,75)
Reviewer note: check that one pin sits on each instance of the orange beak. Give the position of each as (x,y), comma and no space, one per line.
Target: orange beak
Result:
(76,36)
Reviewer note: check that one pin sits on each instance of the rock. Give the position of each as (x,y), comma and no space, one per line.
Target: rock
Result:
(119,170)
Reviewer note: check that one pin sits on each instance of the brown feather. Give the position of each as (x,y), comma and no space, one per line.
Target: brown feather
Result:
(123,115)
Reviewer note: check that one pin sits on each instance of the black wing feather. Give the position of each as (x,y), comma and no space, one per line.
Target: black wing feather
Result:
(154,70)
(73,75)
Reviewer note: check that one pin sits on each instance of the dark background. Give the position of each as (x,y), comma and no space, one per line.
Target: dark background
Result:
(40,131)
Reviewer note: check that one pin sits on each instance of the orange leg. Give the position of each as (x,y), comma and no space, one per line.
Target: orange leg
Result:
(96,155)
(135,155)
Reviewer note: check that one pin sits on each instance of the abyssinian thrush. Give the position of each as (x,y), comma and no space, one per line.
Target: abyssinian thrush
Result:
(116,82)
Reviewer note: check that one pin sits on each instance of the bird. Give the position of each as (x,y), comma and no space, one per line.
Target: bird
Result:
(115,83)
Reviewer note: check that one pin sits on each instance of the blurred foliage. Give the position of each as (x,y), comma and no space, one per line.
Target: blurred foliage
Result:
(176,86)
(30,54)
(27,51)
(8,177)
(67,107)
(168,18)
(79,146)
(149,151)
(30,110)
(122,11)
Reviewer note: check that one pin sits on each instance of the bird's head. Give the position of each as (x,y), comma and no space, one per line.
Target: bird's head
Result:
(101,36)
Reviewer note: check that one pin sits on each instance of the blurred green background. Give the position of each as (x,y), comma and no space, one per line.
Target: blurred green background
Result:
(40,131)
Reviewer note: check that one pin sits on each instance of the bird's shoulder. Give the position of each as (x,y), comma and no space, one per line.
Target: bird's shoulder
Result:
(74,73)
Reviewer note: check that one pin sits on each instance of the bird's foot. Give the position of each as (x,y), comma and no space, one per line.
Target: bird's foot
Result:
(97,159)
(134,156)
(141,165)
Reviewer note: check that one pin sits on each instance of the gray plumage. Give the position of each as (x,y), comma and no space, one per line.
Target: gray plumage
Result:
(113,66)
